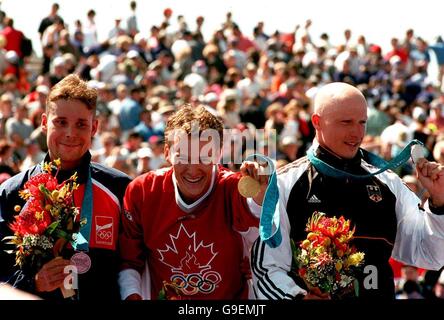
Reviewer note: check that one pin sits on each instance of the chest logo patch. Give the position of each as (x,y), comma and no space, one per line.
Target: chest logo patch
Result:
(314,199)
(190,263)
(104,230)
(374,193)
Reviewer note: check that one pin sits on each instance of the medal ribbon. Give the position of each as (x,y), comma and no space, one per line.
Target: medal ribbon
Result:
(371,158)
(268,216)
(83,236)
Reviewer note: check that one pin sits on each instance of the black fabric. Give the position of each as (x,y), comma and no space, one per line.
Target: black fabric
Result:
(375,221)
(100,282)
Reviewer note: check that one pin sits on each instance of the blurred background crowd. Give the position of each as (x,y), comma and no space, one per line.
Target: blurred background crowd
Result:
(251,79)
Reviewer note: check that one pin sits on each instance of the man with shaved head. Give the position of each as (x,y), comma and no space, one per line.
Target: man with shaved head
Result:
(388,217)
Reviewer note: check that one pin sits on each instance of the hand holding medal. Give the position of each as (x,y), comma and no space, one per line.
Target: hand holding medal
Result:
(254,180)
(259,182)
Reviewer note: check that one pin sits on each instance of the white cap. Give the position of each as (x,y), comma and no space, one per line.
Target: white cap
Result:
(419,114)
(42,89)
(144,153)
(12,57)
(229,94)
(132,54)
(210,97)
(58,62)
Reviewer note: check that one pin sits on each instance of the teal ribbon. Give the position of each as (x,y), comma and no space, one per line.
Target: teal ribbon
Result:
(370,158)
(83,236)
(272,239)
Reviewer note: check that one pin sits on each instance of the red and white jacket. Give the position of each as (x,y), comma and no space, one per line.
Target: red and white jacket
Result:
(198,246)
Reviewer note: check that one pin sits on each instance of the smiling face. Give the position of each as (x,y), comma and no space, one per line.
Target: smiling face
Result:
(193,166)
(339,119)
(69,127)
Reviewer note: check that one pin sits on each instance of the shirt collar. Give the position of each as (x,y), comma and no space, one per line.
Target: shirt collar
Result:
(190,207)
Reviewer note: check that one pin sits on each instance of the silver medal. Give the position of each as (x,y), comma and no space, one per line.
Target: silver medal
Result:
(417,152)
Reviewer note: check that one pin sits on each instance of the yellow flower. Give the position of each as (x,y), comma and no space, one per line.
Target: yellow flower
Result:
(17,208)
(39,215)
(57,162)
(24,194)
(74,176)
(47,167)
(338,266)
(305,244)
(320,250)
(55,195)
(355,259)
(311,236)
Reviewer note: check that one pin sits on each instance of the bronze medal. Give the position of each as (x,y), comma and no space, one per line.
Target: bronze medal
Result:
(82,262)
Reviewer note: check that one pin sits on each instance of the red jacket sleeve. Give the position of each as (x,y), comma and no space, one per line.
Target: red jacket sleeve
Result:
(131,244)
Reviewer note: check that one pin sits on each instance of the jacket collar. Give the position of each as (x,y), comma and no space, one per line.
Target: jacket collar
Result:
(349,165)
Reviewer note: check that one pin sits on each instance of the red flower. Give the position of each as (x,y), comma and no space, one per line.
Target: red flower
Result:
(47,202)
(32,220)
(322,258)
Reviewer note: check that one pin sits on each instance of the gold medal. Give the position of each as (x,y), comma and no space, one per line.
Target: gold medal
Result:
(248,187)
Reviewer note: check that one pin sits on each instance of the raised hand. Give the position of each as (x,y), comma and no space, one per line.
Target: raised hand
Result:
(431,176)
(257,172)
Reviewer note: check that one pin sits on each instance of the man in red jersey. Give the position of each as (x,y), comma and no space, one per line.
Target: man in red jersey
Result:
(188,224)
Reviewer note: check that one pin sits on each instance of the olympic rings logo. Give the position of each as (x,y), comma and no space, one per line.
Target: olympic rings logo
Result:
(104,235)
(193,283)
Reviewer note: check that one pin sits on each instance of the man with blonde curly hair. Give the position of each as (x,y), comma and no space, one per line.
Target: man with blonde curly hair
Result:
(185,227)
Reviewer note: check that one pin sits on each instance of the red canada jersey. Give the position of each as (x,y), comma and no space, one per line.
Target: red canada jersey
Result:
(200,249)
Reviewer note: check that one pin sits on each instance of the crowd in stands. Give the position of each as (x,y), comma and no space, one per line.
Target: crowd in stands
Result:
(251,79)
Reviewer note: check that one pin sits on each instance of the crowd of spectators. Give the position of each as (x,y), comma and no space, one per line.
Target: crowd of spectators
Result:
(253,80)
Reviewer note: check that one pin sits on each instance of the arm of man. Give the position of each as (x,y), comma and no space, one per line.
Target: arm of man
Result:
(271,266)
(131,245)
(420,233)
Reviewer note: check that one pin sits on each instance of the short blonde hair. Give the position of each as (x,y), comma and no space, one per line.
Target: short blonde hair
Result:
(183,119)
(72,88)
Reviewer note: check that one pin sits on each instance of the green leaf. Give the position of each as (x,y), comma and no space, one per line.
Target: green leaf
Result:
(62,234)
(53,226)
(162,295)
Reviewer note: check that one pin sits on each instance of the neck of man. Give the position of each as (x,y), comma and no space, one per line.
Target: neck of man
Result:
(66,165)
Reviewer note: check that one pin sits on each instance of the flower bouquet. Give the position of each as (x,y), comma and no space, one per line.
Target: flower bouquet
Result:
(326,259)
(47,221)
(170,291)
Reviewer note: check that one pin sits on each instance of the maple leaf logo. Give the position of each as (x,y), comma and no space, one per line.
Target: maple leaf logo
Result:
(184,254)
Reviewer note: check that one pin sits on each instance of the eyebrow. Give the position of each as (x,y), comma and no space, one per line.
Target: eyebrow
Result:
(64,118)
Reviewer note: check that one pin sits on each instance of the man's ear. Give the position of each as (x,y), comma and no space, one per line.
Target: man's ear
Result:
(166,152)
(95,126)
(315,120)
(44,123)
